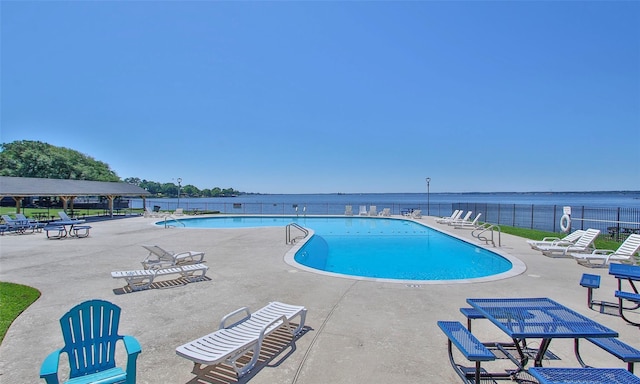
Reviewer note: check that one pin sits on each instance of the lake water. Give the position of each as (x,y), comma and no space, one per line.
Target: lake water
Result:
(575,199)
(542,211)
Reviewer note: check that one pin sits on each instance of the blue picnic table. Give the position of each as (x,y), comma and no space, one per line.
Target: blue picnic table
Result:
(537,318)
(631,274)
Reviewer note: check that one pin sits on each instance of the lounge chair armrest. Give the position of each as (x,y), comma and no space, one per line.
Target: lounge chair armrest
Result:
(232,314)
(49,368)
(282,318)
(195,256)
(603,251)
(156,264)
(552,238)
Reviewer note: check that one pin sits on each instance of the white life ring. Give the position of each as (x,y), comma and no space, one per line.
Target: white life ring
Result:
(565,223)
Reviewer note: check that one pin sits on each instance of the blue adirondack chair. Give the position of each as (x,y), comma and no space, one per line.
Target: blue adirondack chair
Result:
(90,332)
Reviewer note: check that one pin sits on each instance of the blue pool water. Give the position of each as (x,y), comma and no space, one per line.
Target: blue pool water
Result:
(381,248)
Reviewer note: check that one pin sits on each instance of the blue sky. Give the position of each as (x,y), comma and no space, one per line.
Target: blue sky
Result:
(332,96)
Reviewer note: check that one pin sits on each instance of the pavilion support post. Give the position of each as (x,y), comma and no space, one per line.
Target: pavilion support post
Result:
(111,198)
(18,200)
(65,202)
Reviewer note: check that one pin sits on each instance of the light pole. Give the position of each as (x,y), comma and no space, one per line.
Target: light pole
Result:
(179,181)
(428,202)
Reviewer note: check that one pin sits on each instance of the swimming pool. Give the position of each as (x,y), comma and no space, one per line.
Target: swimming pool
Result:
(376,248)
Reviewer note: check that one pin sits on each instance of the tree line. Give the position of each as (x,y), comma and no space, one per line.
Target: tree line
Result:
(171,189)
(25,158)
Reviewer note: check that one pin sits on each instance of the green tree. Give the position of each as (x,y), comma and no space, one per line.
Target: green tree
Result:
(133,180)
(37,159)
(190,190)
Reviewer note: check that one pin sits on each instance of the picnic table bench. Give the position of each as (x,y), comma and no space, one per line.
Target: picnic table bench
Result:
(630,273)
(472,349)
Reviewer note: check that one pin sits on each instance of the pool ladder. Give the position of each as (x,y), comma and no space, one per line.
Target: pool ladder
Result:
(485,233)
(288,237)
(167,225)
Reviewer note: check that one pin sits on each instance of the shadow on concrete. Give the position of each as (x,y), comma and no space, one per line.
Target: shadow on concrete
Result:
(165,284)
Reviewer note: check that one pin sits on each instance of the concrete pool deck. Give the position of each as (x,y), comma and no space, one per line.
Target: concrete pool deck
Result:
(358,331)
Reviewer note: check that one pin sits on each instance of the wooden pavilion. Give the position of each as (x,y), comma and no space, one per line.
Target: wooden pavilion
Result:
(66,190)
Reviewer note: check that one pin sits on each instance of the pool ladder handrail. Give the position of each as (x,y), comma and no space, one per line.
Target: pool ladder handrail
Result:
(166,225)
(479,232)
(292,240)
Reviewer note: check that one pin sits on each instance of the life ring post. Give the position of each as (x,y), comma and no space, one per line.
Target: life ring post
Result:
(565,220)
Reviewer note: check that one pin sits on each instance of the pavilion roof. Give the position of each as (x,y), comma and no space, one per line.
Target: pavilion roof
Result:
(30,186)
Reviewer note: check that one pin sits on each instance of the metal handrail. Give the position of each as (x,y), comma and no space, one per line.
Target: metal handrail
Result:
(288,238)
(174,219)
(488,227)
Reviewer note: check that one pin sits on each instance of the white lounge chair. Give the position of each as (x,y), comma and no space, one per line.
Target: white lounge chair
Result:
(232,341)
(373,210)
(178,212)
(551,241)
(445,219)
(143,278)
(149,213)
(386,212)
(363,210)
(348,210)
(468,224)
(416,214)
(583,245)
(153,213)
(466,217)
(161,258)
(602,257)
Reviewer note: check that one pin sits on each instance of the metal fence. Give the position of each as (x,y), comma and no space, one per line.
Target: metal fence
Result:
(616,222)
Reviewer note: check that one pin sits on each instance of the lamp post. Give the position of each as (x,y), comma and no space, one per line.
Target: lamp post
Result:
(179,181)
(428,202)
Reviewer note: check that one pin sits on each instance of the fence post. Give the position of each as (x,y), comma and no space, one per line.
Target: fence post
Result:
(532,208)
(618,225)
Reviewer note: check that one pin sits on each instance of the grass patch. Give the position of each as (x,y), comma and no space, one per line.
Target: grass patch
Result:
(601,242)
(45,214)
(14,299)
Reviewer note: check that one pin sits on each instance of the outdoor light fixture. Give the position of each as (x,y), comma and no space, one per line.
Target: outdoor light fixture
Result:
(428,202)
(179,181)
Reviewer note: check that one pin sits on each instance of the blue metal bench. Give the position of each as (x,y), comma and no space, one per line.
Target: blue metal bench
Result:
(472,349)
(614,346)
(59,231)
(77,228)
(471,314)
(583,375)
(635,297)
